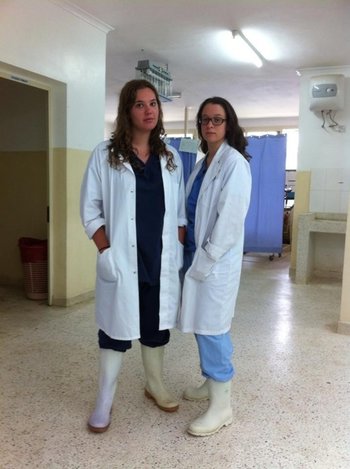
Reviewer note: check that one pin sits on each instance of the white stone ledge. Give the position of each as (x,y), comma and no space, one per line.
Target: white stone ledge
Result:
(314,222)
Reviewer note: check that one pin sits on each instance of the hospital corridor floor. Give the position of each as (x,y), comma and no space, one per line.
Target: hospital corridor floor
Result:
(290,393)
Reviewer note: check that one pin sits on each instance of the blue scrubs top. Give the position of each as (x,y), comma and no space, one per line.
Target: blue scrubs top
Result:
(150,209)
(190,244)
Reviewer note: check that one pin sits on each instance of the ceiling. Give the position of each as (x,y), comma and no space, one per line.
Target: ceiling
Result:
(187,36)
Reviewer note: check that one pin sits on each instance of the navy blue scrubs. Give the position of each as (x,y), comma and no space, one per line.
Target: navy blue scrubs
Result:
(150,209)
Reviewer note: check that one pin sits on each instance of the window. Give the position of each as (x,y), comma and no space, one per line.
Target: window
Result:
(292,148)
(292,145)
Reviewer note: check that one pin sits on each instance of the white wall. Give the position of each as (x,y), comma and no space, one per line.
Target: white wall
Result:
(42,37)
(323,151)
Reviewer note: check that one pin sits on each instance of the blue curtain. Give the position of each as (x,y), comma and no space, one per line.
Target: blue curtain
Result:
(264,221)
(188,157)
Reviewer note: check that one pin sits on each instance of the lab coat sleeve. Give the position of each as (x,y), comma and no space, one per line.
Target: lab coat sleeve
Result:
(232,208)
(181,210)
(91,200)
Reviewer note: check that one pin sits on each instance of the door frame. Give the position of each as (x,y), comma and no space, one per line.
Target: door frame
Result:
(56,133)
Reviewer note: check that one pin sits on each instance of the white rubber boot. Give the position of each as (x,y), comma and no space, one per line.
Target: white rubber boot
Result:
(197,394)
(152,358)
(110,363)
(219,413)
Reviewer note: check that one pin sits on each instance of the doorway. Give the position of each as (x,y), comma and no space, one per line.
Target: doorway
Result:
(24,147)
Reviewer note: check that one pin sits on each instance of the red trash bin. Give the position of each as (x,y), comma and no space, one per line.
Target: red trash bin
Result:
(34,260)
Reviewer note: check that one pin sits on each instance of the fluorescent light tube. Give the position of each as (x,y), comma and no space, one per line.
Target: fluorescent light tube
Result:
(244,49)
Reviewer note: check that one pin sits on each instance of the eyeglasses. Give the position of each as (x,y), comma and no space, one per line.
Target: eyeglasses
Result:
(214,120)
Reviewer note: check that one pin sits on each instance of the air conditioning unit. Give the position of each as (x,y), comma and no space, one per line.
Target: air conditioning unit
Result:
(327,93)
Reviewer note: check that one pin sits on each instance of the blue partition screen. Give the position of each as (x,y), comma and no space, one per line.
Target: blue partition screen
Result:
(264,221)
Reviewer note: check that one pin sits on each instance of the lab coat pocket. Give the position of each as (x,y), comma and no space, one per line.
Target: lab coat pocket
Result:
(202,265)
(106,268)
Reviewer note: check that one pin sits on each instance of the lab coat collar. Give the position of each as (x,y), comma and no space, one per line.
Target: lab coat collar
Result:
(214,168)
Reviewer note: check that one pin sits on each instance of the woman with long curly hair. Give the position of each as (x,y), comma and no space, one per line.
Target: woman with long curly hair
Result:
(218,195)
(132,207)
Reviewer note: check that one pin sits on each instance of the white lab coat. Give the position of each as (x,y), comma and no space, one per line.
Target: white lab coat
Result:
(108,198)
(211,283)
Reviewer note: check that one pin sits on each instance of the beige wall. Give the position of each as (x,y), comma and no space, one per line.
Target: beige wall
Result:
(74,270)
(344,318)
(301,205)
(80,282)
(58,221)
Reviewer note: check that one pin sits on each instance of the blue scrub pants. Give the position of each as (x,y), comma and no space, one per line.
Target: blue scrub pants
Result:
(215,354)
(215,351)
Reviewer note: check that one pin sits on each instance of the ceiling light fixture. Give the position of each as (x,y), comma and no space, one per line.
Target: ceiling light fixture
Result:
(244,49)
(159,76)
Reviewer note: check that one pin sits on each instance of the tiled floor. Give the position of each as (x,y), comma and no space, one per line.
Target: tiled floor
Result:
(291,393)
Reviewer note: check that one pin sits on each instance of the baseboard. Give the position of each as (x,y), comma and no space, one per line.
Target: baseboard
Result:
(65,302)
(343,328)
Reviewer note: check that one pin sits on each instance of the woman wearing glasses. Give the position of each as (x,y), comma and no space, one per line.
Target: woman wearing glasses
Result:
(218,195)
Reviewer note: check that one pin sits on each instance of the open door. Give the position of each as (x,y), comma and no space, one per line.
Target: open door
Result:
(24,172)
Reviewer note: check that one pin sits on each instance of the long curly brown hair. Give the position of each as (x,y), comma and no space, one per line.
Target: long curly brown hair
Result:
(120,149)
(234,133)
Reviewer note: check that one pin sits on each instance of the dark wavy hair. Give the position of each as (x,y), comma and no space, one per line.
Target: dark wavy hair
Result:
(234,133)
(120,149)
